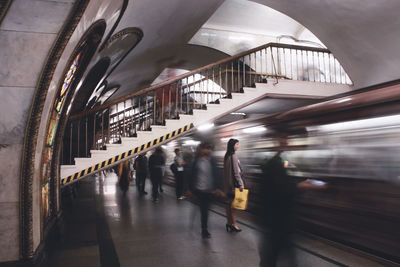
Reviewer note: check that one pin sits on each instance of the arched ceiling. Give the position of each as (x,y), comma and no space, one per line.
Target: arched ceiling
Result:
(363,35)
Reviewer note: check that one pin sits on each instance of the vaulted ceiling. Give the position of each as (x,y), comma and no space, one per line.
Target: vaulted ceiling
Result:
(363,35)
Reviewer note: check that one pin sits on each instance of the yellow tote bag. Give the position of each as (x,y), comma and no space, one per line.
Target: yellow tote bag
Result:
(240,200)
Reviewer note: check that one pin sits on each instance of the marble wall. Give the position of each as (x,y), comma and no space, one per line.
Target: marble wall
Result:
(26,36)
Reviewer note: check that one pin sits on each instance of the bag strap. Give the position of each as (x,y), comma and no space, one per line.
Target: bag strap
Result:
(233,172)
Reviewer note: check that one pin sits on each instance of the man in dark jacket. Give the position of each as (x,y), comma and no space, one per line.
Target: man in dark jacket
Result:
(141,172)
(278,191)
(156,164)
(204,182)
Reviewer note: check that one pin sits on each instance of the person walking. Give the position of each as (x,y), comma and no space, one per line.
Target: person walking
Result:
(232,179)
(124,176)
(279,191)
(156,163)
(203,183)
(141,173)
(179,174)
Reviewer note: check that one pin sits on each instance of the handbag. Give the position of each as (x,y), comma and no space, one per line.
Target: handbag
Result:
(241,199)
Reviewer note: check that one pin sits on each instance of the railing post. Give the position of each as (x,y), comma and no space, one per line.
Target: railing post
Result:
(250,71)
(79,132)
(220,81)
(213,86)
(244,71)
(109,126)
(273,65)
(232,83)
(94,130)
(181,97)
(102,129)
(238,74)
(187,95)
(86,135)
(139,115)
(176,99)
(133,124)
(194,93)
(70,145)
(226,79)
(146,119)
(123,120)
(169,103)
(162,106)
(154,107)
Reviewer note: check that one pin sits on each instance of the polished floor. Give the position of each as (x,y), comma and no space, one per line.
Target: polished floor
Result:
(104,228)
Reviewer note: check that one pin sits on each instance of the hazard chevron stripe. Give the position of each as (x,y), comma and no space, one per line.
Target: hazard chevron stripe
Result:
(78,175)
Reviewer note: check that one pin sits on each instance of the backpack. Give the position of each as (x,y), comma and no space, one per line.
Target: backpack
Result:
(174,168)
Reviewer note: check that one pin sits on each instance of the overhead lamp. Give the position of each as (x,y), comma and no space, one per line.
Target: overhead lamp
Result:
(385,121)
(256,129)
(205,127)
(191,142)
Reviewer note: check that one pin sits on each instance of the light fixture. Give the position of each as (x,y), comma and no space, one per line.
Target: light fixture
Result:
(191,142)
(205,127)
(385,121)
(256,129)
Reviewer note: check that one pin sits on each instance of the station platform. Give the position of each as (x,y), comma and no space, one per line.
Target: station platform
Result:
(102,227)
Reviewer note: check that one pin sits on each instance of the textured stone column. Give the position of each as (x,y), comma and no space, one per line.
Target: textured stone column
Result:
(26,36)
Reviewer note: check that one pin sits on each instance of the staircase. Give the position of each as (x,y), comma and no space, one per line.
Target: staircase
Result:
(118,130)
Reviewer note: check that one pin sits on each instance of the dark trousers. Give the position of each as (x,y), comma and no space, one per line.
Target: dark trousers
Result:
(141,181)
(179,184)
(276,245)
(155,178)
(204,203)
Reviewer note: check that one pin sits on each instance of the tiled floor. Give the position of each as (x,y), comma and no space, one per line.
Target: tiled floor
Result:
(104,228)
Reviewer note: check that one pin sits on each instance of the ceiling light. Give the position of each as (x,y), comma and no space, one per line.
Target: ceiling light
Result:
(191,142)
(205,127)
(256,129)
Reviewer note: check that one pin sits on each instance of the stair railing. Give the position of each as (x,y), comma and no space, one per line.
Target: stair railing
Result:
(138,111)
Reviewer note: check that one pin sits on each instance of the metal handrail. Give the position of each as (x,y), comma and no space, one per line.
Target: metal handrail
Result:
(139,110)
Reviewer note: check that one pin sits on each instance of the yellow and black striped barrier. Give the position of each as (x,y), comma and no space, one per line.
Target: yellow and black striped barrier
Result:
(111,161)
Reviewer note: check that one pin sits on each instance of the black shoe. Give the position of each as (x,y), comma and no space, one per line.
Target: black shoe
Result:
(205,234)
(144,193)
(161,190)
(235,229)
(228,227)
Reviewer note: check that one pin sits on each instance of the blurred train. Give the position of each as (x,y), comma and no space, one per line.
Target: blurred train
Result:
(351,143)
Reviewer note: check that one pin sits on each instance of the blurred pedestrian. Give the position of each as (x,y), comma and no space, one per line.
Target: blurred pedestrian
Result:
(278,191)
(124,176)
(141,173)
(203,182)
(162,170)
(156,163)
(232,179)
(179,174)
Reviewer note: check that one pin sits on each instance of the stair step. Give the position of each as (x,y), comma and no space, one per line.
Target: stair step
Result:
(113,145)
(213,106)
(125,140)
(98,152)
(159,127)
(225,100)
